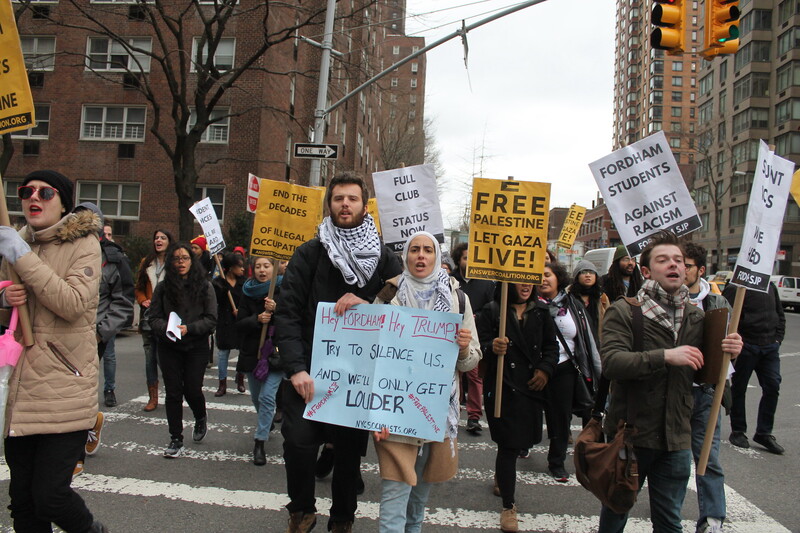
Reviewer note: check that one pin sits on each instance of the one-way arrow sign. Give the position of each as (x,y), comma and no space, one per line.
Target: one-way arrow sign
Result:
(316,151)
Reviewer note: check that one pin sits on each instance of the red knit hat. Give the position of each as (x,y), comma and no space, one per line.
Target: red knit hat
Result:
(200,241)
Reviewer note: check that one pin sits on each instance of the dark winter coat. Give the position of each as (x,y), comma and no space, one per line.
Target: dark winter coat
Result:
(226,335)
(199,319)
(115,307)
(248,329)
(762,321)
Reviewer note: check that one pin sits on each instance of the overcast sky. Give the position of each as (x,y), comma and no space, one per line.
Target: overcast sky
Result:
(536,98)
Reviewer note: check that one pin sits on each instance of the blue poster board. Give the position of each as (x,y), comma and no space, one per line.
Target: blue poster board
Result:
(384,365)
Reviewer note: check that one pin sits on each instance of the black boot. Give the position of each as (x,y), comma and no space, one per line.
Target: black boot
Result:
(259,457)
(98,527)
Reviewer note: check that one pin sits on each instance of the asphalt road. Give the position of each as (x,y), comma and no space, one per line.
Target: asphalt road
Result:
(214,487)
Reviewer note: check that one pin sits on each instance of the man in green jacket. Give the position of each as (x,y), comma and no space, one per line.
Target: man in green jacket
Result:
(657,381)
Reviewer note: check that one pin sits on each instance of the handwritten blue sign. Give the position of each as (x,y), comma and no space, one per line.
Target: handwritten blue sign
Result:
(384,365)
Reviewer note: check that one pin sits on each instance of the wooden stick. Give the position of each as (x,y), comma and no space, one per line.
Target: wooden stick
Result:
(270,295)
(24,315)
(711,425)
(498,384)
(222,273)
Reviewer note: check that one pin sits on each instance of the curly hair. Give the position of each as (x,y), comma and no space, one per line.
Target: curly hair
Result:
(560,272)
(193,289)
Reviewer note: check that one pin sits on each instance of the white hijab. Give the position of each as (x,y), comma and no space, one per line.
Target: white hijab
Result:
(431,292)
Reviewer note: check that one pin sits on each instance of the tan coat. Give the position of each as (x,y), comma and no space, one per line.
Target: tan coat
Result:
(54,386)
(398,455)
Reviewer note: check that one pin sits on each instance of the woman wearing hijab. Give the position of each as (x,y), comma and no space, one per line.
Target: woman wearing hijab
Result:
(409,465)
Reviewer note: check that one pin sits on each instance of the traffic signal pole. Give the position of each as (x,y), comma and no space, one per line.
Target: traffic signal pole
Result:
(327,44)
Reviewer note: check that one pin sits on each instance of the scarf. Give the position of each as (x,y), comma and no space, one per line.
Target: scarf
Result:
(654,299)
(432,292)
(557,305)
(354,251)
(255,289)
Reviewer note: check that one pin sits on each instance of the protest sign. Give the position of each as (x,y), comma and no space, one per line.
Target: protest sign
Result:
(253,186)
(205,214)
(287,215)
(571,226)
(384,366)
(408,202)
(372,209)
(645,192)
(16,102)
(762,230)
(508,230)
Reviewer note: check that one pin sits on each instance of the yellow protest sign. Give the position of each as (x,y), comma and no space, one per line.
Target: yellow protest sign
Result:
(372,209)
(795,189)
(508,230)
(571,226)
(287,215)
(16,102)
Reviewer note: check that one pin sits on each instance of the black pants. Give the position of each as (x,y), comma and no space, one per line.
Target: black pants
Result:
(302,439)
(182,372)
(558,412)
(41,473)
(505,467)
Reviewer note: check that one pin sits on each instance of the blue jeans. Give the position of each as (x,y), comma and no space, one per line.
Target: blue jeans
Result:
(669,474)
(403,506)
(766,362)
(263,395)
(710,487)
(110,365)
(222,363)
(150,357)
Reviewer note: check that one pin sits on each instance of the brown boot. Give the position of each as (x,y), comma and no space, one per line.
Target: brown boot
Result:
(240,382)
(508,520)
(342,527)
(301,523)
(223,388)
(152,390)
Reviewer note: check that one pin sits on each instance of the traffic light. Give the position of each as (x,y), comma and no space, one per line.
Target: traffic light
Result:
(668,17)
(722,28)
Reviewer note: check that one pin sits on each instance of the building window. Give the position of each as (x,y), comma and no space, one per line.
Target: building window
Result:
(788,143)
(42,128)
(414,84)
(706,112)
(215,193)
(723,96)
(223,57)
(677,96)
(396,50)
(109,123)
(677,66)
(395,81)
(704,220)
(360,144)
(115,200)
(741,184)
(412,99)
(788,40)
(787,110)
(39,52)
(757,19)
(217,131)
(737,215)
(723,71)
(414,68)
(701,195)
(12,200)
(107,54)
(676,111)
(755,84)
(677,81)
(746,151)
(788,76)
(675,142)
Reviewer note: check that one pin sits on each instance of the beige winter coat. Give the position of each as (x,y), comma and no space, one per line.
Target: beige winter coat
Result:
(54,386)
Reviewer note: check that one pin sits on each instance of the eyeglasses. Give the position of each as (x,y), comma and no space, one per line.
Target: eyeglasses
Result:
(182,259)
(45,193)
(689,265)
(582,272)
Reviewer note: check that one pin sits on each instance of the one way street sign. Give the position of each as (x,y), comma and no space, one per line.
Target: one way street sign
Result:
(316,151)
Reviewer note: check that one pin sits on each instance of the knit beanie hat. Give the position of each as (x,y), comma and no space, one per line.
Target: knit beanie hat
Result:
(582,265)
(200,241)
(56,180)
(620,253)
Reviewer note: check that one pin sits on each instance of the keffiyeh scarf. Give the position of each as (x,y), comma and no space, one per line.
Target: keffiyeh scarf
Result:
(654,299)
(354,251)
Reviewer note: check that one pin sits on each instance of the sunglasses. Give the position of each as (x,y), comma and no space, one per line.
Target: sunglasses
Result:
(45,193)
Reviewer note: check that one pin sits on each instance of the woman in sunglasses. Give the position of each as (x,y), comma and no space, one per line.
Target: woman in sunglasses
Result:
(183,313)
(572,385)
(52,400)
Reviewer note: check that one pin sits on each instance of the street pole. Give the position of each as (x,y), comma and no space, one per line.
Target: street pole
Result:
(322,92)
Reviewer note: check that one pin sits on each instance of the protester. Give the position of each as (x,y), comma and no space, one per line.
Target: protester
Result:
(409,465)
(711,486)
(255,312)
(52,400)
(187,293)
(577,373)
(151,273)
(624,277)
(347,265)
(762,325)
(480,292)
(531,353)
(586,289)
(227,338)
(200,250)
(654,386)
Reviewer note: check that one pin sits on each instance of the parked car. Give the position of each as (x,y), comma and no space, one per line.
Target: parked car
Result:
(788,290)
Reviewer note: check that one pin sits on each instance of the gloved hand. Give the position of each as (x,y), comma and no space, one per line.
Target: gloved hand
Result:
(12,247)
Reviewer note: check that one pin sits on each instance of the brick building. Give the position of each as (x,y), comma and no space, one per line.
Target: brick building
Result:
(598,229)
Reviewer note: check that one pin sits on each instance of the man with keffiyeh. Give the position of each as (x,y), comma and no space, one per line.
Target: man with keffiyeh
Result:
(346,265)
(654,386)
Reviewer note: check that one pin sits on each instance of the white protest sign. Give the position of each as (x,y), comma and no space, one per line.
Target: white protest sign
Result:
(762,230)
(645,192)
(408,203)
(253,187)
(384,366)
(204,212)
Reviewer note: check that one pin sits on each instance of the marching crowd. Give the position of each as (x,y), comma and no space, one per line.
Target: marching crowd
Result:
(562,339)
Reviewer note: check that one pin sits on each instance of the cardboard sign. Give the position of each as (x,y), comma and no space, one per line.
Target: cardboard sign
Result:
(508,230)
(571,226)
(645,192)
(16,102)
(253,187)
(205,214)
(384,365)
(762,230)
(408,202)
(372,209)
(286,216)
